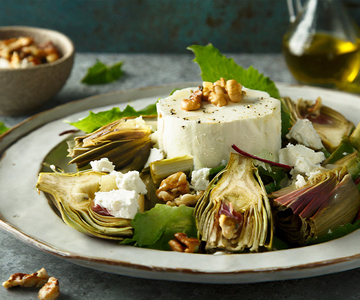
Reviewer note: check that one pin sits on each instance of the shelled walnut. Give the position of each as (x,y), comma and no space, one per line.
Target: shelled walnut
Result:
(219,93)
(173,186)
(186,199)
(40,279)
(37,279)
(23,52)
(50,291)
(183,243)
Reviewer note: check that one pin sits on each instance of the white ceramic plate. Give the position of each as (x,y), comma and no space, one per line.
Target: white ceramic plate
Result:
(27,215)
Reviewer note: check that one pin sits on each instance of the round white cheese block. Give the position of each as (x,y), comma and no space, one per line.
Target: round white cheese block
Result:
(253,124)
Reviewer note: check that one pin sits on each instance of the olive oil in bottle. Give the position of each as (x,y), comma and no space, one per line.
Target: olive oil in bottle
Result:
(322,60)
(322,44)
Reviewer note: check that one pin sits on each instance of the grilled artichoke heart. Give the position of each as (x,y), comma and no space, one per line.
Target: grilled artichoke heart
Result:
(125,142)
(72,195)
(330,124)
(327,201)
(234,214)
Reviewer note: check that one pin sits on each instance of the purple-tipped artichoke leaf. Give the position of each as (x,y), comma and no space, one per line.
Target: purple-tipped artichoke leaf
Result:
(328,200)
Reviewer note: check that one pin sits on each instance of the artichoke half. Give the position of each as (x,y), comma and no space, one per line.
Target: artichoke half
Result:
(347,154)
(330,124)
(327,201)
(234,214)
(72,195)
(125,142)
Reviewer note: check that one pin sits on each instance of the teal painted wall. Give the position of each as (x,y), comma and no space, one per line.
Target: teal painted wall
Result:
(160,26)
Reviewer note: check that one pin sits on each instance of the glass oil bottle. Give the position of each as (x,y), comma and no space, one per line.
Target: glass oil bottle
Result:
(322,45)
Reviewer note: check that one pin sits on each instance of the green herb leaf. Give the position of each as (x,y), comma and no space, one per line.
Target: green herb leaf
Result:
(214,65)
(285,122)
(337,233)
(101,73)
(149,110)
(213,172)
(156,227)
(3,128)
(173,91)
(345,148)
(96,120)
(279,244)
(272,178)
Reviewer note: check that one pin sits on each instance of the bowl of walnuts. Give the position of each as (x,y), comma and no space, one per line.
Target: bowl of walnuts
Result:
(34,65)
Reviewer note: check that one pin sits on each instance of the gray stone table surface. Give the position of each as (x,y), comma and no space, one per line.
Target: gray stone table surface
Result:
(82,283)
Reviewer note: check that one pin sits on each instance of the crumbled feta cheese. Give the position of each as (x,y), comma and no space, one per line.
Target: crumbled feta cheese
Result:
(300,181)
(155,155)
(123,199)
(314,173)
(303,159)
(200,179)
(102,165)
(4,63)
(130,181)
(119,203)
(304,133)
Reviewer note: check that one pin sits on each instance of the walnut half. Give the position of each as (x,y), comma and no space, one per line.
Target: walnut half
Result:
(194,101)
(223,91)
(219,93)
(173,186)
(50,291)
(186,199)
(40,279)
(37,279)
(184,244)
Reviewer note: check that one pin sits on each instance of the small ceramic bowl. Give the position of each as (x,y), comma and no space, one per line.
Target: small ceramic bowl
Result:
(24,90)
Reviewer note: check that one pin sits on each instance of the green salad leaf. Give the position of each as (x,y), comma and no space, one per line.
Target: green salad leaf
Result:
(3,128)
(100,73)
(345,148)
(156,227)
(96,120)
(272,177)
(214,65)
(285,122)
(214,171)
(279,244)
(337,233)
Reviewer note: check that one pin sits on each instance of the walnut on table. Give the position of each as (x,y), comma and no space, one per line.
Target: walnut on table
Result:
(50,291)
(37,279)
(40,279)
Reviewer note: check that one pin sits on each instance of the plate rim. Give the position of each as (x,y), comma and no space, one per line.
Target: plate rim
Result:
(84,260)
